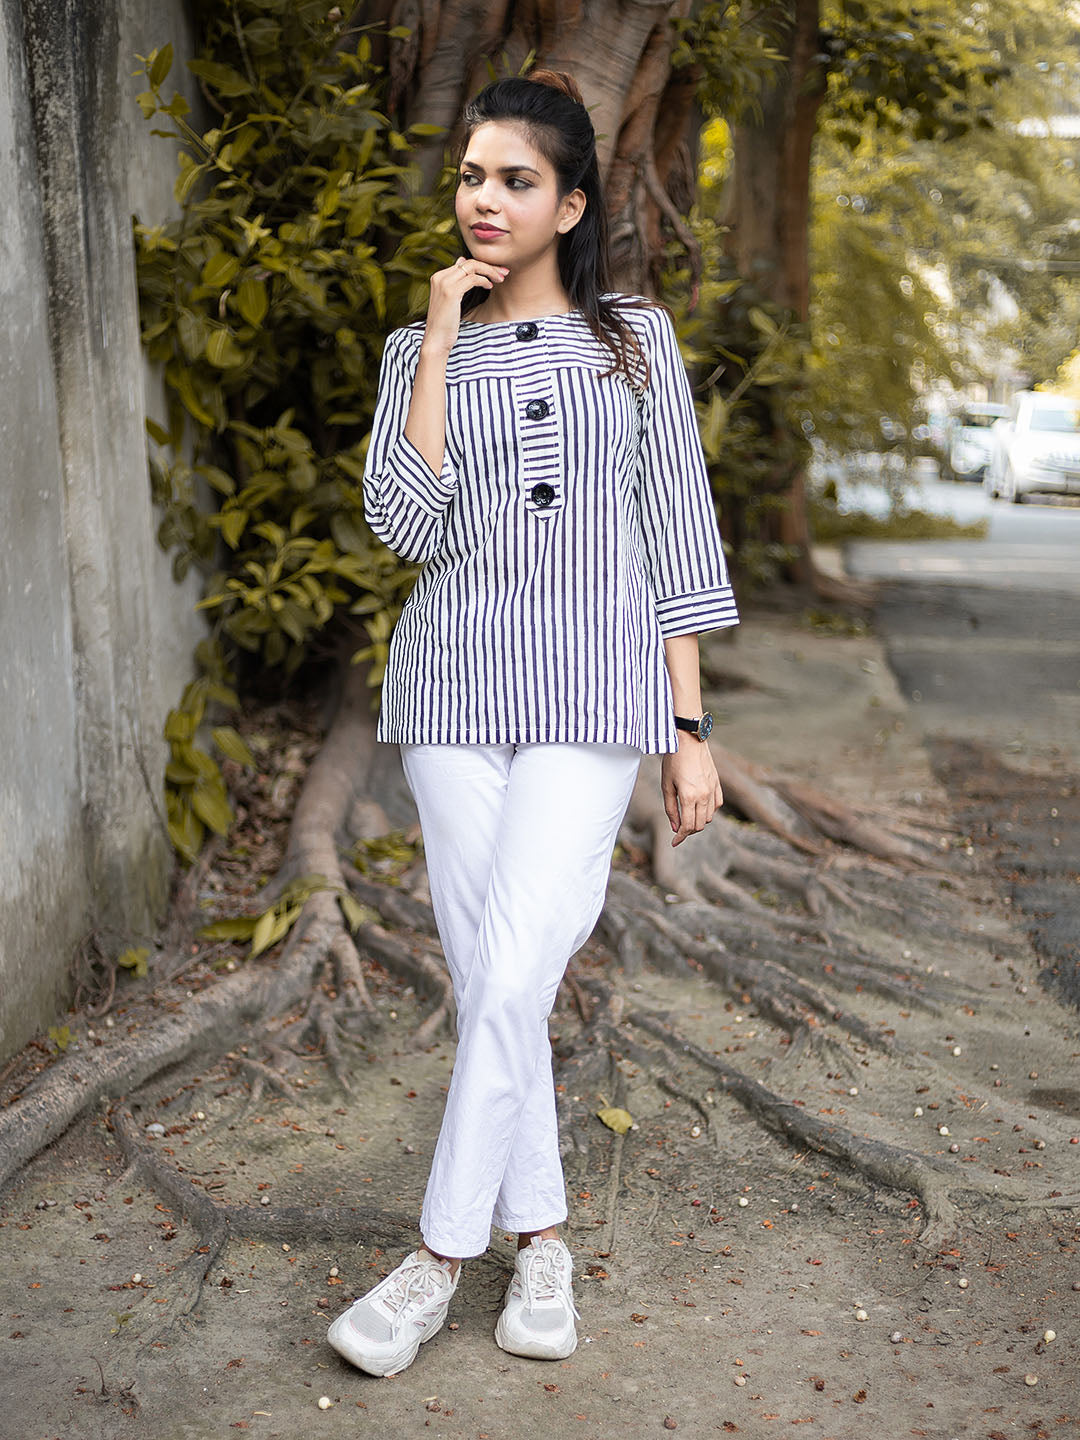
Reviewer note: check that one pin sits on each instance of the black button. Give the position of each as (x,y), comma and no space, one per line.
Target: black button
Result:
(543,494)
(527,330)
(536,409)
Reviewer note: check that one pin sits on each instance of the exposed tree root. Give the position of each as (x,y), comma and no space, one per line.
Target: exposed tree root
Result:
(774,914)
(215,1223)
(931,1179)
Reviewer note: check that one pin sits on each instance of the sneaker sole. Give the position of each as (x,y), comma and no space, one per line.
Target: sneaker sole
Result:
(373,1365)
(557,1349)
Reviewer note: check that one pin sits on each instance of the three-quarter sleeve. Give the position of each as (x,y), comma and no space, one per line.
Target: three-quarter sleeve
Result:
(405,502)
(683,549)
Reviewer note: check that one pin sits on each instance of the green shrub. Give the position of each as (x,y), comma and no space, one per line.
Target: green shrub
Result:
(303,236)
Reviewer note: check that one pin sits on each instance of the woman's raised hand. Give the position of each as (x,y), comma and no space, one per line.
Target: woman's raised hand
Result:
(448,289)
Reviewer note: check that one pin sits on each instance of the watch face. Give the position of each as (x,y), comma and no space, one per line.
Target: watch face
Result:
(705,728)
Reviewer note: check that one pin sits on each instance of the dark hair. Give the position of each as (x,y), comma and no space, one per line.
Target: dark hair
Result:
(548,104)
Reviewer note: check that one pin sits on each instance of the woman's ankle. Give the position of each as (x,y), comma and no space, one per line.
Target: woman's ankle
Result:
(525,1238)
(454,1261)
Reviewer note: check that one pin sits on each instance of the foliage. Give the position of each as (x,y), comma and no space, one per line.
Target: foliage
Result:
(960,252)
(267,928)
(303,237)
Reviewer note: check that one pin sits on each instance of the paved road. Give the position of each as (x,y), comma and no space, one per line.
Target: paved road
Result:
(1030,546)
(984,639)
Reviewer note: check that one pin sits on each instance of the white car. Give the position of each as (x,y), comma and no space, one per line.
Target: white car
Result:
(970,440)
(1035,448)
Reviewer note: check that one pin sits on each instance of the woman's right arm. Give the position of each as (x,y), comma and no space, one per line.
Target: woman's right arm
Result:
(408,479)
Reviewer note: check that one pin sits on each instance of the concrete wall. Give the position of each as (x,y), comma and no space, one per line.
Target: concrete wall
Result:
(95,637)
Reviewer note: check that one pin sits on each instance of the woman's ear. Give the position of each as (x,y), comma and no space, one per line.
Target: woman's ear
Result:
(573,207)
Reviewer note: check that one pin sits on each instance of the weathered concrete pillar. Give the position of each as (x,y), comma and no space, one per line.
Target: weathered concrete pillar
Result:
(96,638)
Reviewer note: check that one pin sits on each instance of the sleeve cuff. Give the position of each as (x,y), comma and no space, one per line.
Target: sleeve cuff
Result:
(698,612)
(430,492)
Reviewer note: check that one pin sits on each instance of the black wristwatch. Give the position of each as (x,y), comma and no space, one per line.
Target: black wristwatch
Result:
(700,729)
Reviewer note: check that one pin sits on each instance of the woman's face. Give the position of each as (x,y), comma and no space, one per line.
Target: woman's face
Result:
(506,202)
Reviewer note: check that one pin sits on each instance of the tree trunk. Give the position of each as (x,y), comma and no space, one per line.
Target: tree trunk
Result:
(770,215)
(620,55)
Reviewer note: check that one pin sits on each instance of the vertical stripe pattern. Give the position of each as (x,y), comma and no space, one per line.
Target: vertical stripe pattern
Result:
(572,529)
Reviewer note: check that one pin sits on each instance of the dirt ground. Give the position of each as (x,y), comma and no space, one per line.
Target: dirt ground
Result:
(699,1314)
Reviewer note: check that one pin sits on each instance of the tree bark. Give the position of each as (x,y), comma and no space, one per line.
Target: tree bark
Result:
(770,219)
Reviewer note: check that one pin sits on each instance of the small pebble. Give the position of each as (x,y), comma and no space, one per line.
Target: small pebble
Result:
(333,1271)
(954,1149)
(1033,1075)
(264,1199)
(795,1205)
(995,1067)
(1049,1335)
(1076,1285)
(670,1423)
(743,1200)
(853,1090)
(200,1114)
(740,1379)
(695,1131)
(861,1315)
(917,1111)
(956,1050)
(325,1402)
(895,1338)
(1031,1379)
(136,1279)
(155,1129)
(1040,1144)
(997,1084)
(943,1130)
(963,1282)
(286,1248)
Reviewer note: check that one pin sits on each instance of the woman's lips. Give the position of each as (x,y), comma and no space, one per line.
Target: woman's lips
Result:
(486,232)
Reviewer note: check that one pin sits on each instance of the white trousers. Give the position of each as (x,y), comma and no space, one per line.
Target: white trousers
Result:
(518,840)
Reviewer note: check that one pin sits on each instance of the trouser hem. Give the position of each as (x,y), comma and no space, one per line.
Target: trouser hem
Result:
(522,1226)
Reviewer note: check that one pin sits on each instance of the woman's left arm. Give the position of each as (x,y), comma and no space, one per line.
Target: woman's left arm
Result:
(688,778)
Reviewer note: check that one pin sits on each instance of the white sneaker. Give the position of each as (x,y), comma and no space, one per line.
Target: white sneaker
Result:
(382,1331)
(538,1316)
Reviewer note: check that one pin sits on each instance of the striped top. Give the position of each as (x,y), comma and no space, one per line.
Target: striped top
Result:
(572,529)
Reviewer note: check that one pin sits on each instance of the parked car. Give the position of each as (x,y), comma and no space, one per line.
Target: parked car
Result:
(1035,448)
(969,441)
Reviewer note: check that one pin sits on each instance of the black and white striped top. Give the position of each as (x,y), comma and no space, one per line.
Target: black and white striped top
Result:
(571,530)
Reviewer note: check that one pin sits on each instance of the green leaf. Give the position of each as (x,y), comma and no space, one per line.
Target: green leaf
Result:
(220,269)
(134,960)
(252,300)
(240,927)
(157,432)
(185,831)
(231,743)
(356,914)
(160,65)
(223,351)
(211,805)
(189,175)
(60,1035)
(616,1118)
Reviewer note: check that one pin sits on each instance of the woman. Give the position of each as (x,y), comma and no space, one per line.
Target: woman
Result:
(535,446)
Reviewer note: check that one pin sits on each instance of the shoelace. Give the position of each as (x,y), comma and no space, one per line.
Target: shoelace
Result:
(543,1276)
(419,1282)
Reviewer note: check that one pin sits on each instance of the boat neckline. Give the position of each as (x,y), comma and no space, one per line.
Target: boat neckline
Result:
(528,320)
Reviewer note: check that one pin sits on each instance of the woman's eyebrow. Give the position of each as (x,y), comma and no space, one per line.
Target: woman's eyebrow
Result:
(502,170)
